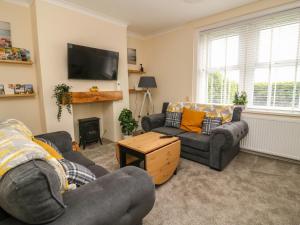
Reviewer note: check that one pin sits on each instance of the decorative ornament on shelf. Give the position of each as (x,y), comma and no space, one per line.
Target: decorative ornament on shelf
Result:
(63,98)
(240,99)
(94,89)
(127,122)
(141,68)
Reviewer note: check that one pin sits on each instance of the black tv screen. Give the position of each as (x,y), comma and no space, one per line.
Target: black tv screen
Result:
(92,64)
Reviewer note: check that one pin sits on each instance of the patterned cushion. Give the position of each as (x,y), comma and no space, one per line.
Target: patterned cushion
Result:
(210,123)
(76,173)
(223,111)
(173,119)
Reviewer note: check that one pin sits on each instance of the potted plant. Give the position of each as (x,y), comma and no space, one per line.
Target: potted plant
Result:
(63,98)
(240,99)
(127,122)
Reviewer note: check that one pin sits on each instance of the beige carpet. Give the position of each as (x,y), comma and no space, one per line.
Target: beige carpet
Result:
(252,190)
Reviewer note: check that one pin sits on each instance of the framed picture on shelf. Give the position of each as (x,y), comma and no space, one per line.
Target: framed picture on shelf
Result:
(28,89)
(131,56)
(5,35)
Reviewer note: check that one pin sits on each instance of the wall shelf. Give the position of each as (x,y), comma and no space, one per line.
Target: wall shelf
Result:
(17,95)
(135,72)
(16,62)
(136,91)
(100,96)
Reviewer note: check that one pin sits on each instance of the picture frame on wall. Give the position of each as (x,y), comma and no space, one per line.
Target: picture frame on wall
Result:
(5,35)
(131,56)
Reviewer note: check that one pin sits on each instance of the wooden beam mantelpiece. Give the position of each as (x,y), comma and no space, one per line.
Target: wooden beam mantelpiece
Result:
(101,96)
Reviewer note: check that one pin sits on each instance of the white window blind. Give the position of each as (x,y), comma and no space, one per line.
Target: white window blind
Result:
(260,56)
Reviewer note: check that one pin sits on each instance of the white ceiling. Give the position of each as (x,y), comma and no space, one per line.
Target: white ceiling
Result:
(147,17)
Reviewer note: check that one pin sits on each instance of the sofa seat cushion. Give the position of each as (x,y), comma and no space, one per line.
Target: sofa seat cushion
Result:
(99,171)
(169,131)
(195,151)
(195,140)
(77,157)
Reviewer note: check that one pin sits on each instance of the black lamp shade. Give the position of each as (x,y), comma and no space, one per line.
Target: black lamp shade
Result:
(147,82)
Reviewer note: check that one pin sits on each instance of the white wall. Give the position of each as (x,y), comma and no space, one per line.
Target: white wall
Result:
(24,109)
(55,27)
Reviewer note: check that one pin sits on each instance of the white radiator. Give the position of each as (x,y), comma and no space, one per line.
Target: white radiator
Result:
(275,136)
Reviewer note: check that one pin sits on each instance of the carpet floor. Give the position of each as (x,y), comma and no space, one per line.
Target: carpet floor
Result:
(252,190)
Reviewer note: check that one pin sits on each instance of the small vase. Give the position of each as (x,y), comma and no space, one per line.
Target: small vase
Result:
(126,136)
(243,107)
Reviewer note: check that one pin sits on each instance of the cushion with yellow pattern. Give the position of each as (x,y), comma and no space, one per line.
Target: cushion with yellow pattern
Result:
(223,111)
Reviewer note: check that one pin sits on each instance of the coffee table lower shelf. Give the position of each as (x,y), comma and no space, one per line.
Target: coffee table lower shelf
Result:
(160,163)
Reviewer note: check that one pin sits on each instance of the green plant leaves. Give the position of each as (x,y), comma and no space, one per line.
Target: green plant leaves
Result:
(240,98)
(127,122)
(63,98)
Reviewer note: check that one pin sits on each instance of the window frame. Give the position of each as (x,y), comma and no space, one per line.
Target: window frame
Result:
(244,68)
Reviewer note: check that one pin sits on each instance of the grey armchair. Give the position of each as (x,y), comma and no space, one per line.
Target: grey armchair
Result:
(123,197)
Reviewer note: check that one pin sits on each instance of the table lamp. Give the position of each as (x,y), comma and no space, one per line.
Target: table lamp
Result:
(147,82)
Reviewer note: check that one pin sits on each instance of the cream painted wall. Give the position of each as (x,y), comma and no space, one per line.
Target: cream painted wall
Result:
(135,99)
(170,55)
(55,27)
(24,109)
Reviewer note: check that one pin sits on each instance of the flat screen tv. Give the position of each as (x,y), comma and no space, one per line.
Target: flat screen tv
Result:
(92,64)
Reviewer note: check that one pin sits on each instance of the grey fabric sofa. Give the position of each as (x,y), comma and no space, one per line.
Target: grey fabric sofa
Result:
(215,150)
(123,197)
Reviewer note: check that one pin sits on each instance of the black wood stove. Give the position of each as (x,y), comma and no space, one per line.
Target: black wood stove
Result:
(89,131)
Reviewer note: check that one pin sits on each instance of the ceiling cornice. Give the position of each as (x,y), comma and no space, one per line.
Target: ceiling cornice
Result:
(76,8)
(136,35)
(20,3)
(85,11)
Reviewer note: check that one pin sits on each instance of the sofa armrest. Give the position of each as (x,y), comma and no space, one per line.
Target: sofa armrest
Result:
(224,143)
(61,139)
(153,121)
(123,197)
(233,132)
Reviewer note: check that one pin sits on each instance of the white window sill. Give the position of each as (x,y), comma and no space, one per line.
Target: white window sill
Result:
(271,112)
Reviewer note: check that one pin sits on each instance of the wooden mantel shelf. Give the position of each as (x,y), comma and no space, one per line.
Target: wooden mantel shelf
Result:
(101,96)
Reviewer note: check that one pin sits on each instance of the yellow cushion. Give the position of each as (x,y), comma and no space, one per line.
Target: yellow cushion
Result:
(48,148)
(192,120)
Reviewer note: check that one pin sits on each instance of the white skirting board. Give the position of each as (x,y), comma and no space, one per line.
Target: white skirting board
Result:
(273,135)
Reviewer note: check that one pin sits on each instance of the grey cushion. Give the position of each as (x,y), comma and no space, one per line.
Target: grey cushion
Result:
(195,140)
(210,123)
(31,193)
(173,119)
(169,130)
(77,157)
(99,171)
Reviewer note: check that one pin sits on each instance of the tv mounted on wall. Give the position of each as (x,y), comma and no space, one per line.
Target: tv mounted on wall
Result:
(92,64)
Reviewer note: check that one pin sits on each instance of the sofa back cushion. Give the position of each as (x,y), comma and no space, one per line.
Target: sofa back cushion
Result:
(173,119)
(210,123)
(31,193)
(223,111)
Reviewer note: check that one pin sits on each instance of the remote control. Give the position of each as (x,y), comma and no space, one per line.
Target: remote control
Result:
(166,136)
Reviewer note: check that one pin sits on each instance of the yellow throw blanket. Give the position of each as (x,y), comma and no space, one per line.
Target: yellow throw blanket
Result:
(17,147)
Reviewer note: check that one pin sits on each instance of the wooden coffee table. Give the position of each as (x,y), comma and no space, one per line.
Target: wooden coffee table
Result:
(160,156)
